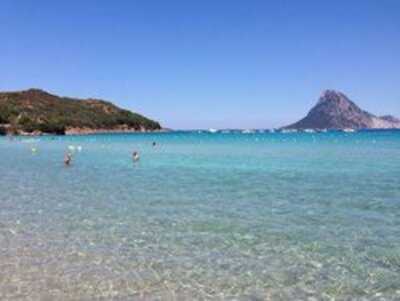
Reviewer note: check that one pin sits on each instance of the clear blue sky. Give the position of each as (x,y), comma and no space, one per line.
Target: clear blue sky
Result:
(206,63)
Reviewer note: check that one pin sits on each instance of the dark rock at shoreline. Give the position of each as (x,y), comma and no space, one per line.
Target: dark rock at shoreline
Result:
(3,131)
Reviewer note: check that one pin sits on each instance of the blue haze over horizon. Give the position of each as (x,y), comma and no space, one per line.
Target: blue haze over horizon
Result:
(201,64)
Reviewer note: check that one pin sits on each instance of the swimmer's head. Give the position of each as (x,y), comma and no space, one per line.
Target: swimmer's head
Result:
(67,158)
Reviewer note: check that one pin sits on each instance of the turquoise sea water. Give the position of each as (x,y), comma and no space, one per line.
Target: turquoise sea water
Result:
(226,216)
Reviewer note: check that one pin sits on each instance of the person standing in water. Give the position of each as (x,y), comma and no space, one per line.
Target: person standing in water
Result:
(67,159)
(135,156)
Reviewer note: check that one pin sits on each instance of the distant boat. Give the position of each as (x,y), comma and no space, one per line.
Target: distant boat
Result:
(349,130)
(309,131)
(248,131)
(213,130)
(287,131)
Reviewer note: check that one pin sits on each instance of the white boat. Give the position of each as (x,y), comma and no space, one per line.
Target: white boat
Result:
(287,131)
(247,131)
(349,130)
(213,130)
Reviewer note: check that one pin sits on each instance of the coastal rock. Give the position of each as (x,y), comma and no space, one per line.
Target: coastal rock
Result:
(335,110)
(390,118)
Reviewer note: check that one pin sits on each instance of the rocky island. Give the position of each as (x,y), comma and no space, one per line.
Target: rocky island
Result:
(335,110)
(35,112)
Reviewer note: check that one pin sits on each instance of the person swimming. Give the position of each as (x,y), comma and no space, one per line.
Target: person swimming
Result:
(67,159)
(154,144)
(135,156)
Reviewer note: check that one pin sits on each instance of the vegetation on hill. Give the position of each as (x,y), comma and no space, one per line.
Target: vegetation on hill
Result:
(38,111)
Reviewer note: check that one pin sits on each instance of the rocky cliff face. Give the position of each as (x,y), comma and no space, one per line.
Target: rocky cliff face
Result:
(335,110)
(390,118)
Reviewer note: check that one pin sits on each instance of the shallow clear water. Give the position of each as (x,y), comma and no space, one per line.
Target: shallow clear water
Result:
(201,217)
